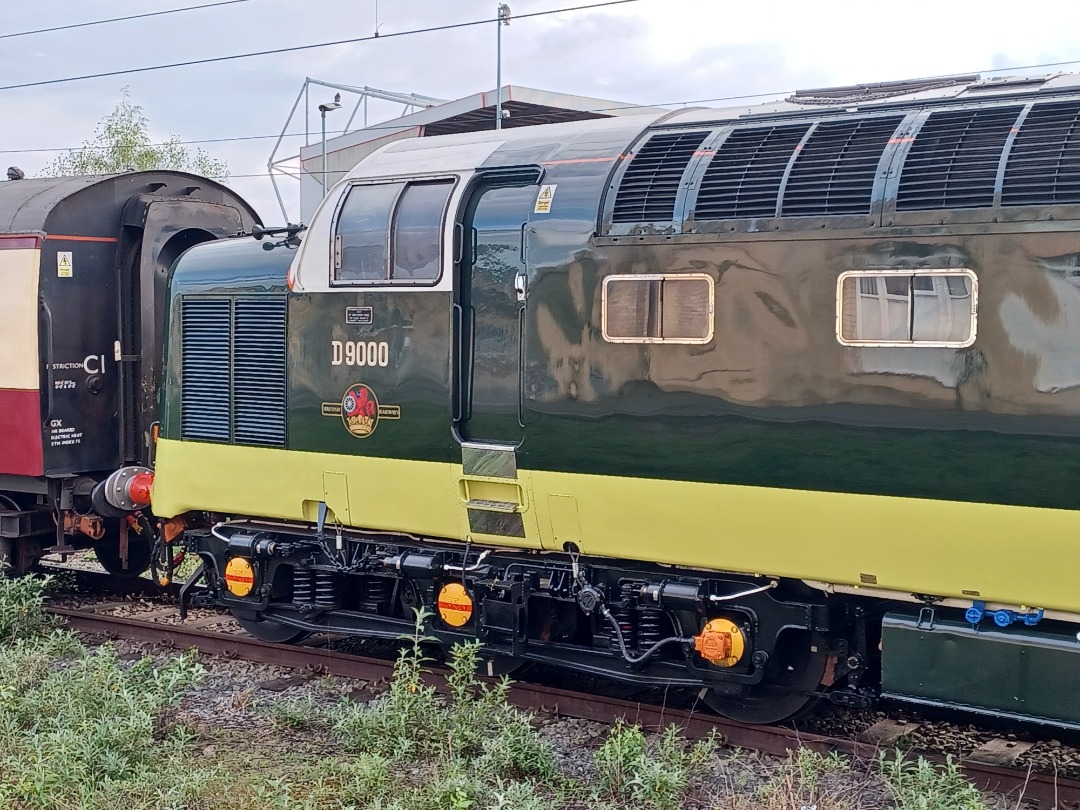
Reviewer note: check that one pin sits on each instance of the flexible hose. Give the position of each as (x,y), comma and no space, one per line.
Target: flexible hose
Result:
(622,642)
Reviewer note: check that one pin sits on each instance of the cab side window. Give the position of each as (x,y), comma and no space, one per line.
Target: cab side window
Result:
(390,233)
(361,245)
(417,228)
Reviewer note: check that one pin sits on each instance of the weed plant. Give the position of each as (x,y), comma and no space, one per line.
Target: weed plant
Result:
(76,727)
(22,603)
(83,729)
(917,784)
(657,774)
(476,747)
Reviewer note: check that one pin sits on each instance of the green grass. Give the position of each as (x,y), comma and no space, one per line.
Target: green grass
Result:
(83,728)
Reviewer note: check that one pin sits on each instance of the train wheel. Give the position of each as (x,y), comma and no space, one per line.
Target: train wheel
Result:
(269,630)
(139,551)
(788,690)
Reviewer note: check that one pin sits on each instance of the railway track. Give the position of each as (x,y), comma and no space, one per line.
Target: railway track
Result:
(1039,790)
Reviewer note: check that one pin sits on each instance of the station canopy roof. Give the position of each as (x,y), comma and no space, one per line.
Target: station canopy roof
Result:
(526,107)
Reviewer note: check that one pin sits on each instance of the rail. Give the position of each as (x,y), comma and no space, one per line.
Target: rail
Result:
(1042,791)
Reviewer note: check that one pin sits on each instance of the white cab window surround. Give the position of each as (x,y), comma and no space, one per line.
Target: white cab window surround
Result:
(390,233)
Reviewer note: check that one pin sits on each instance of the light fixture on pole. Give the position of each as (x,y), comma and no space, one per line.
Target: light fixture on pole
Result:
(503,19)
(323,110)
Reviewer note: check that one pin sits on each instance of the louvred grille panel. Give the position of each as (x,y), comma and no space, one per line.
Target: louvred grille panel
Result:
(744,176)
(651,182)
(1044,163)
(954,159)
(204,401)
(259,372)
(233,360)
(835,170)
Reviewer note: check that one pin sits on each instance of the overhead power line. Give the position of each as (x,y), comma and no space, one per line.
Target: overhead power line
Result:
(227,139)
(312,46)
(393,124)
(118,19)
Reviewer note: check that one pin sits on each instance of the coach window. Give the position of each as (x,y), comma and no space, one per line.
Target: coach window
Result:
(361,243)
(920,308)
(658,309)
(417,228)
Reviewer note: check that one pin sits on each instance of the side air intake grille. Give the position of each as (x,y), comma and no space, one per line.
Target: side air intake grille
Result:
(744,176)
(204,402)
(954,159)
(233,370)
(1044,163)
(835,170)
(259,372)
(651,182)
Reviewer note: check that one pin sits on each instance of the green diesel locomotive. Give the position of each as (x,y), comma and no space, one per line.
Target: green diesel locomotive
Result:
(770,403)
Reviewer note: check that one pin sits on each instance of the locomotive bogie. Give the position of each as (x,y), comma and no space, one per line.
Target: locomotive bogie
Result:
(640,623)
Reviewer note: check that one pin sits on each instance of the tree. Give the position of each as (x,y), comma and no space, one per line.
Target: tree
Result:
(122,143)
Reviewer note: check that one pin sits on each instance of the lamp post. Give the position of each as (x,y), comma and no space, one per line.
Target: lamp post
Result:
(503,19)
(323,110)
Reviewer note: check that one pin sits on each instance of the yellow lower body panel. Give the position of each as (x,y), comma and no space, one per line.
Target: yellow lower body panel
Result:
(1016,555)
(377,493)
(387,494)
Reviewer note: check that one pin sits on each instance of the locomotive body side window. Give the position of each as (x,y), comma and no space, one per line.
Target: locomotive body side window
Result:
(417,229)
(362,239)
(907,308)
(658,309)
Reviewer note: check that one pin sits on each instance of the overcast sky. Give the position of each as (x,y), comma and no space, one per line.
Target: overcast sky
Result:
(653,52)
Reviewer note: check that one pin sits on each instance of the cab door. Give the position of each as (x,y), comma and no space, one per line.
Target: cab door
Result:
(489,316)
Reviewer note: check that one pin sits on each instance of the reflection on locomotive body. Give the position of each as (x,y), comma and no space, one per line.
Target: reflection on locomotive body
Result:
(768,405)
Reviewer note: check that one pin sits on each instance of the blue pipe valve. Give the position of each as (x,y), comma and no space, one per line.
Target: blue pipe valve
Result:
(1002,617)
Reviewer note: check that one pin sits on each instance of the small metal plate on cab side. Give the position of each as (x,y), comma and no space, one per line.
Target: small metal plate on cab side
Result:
(359,316)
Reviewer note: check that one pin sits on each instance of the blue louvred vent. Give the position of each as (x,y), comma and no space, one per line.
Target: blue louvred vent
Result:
(233,370)
(205,352)
(259,372)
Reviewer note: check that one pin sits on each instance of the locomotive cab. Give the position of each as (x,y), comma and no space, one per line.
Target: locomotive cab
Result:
(85,263)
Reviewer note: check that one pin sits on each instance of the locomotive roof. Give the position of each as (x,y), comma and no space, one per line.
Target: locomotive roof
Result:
(938,91)
(25,205)
(571,140)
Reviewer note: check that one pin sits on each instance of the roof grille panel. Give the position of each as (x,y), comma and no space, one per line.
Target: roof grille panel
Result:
(743,178)
(204,401)
(835,170)
(1044,163)
(954,159)
(651,181)
(259,372)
